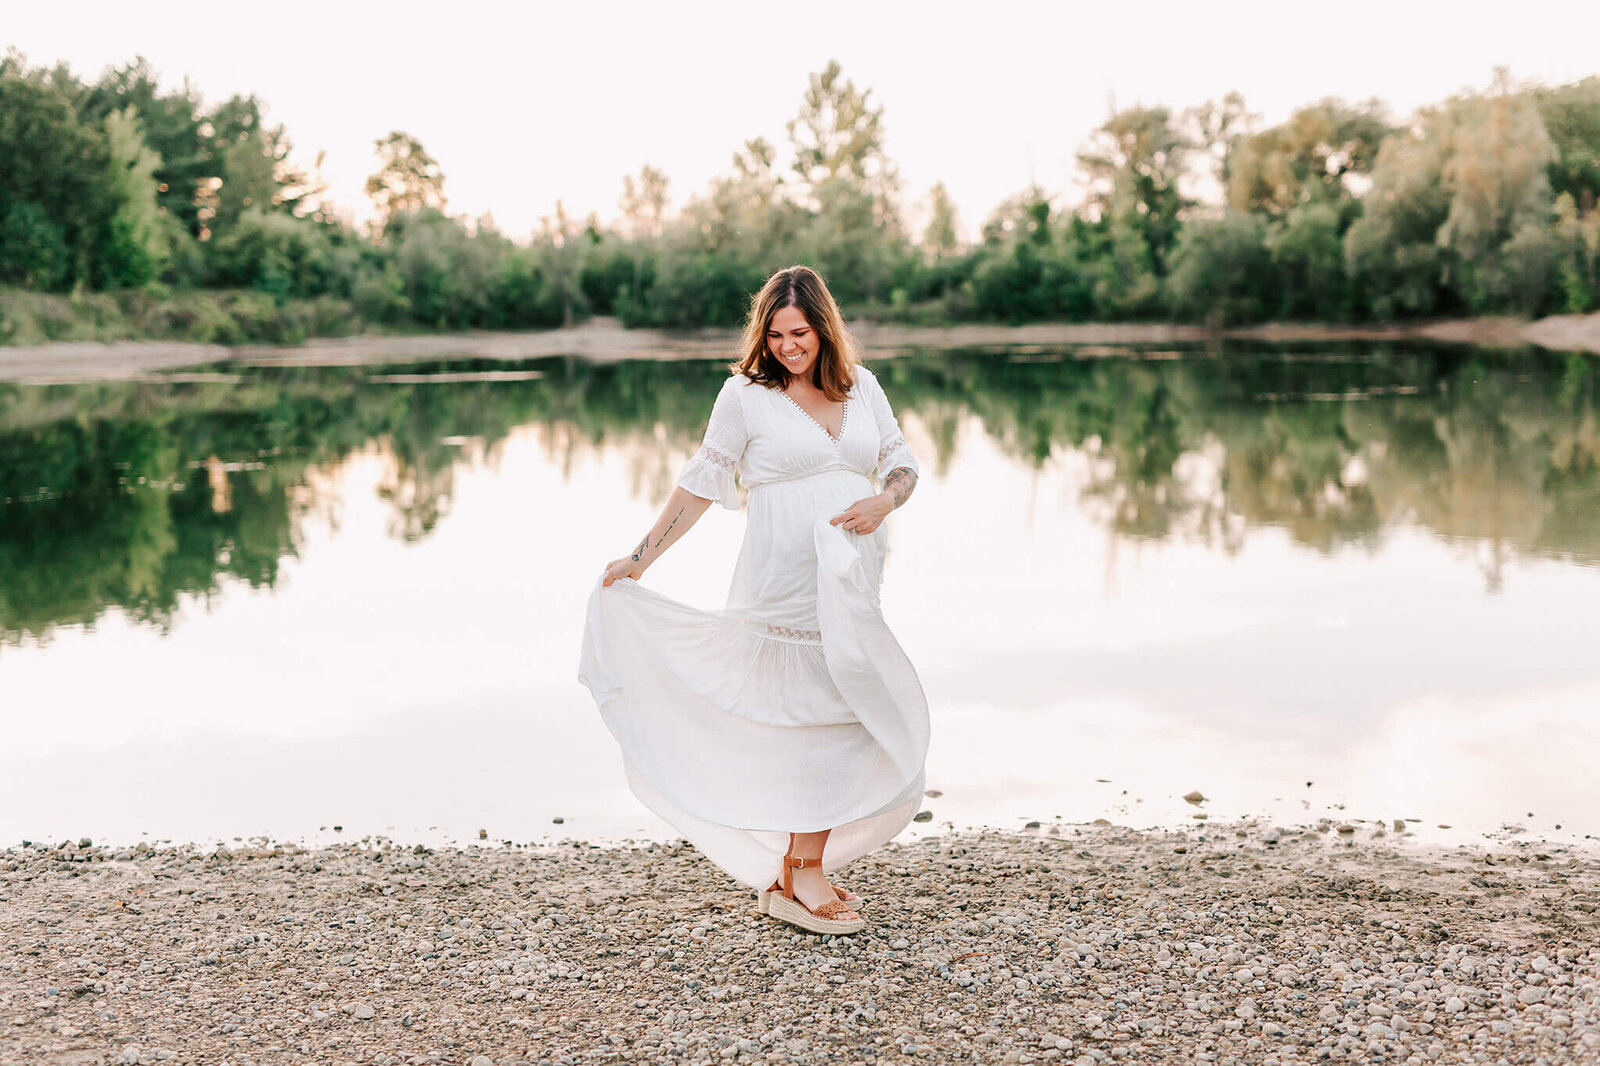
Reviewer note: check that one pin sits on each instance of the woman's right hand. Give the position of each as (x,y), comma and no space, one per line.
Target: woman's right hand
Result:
(623,567)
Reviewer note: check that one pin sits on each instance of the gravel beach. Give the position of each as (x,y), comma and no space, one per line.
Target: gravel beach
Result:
(1227,943)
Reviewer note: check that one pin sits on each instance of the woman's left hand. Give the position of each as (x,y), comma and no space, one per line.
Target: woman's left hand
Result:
(864,516)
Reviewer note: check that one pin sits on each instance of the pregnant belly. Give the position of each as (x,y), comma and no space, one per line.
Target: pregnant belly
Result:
(778,561)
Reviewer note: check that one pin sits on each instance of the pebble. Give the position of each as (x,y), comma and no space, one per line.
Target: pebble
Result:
(1100,945)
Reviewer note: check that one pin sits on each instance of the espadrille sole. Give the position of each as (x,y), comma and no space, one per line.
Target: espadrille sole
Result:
(795,913)
(764,895)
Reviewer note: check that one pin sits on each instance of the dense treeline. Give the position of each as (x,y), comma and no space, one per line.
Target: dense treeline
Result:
(140,202)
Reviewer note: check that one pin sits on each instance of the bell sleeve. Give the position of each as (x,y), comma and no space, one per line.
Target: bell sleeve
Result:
(709,473)
(892,450)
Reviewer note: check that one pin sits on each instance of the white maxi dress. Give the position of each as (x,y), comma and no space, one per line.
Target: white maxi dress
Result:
(793,709)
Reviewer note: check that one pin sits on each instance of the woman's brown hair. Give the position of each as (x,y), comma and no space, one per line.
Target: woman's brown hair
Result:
(802,288)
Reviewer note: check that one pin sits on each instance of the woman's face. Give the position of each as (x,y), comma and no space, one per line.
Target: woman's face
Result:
(791,338)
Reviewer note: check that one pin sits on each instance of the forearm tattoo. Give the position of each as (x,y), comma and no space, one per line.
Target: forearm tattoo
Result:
(638,553)
(899,484)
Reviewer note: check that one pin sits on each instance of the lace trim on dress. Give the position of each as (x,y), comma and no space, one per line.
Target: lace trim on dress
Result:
(891,445)
(719,459)
(844,417)
(810,636)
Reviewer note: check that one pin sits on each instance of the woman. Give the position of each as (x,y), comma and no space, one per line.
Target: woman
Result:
(789,730)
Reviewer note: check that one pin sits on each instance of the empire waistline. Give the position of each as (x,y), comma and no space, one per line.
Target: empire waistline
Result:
(753,486)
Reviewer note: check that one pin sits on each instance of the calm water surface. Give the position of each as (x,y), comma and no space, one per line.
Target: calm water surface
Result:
(1352,582)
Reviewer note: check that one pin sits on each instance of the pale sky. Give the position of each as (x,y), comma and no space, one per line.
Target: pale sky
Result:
(527,103)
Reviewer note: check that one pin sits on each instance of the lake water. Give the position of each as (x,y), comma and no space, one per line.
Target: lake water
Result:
(1356,582)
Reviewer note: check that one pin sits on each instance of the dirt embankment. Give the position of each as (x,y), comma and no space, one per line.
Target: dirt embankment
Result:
(605,340)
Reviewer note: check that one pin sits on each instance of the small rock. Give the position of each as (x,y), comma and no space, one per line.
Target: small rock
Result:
(483,834)
(922,816)
(85,842)
(933,793)
(364,1011)
(1531,994)
(1346,829)
(1031,825)
(558,820)
(1195,796)
(481,1060)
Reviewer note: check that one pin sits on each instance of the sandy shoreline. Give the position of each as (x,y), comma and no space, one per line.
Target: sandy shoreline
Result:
(1237,943)
(605,340)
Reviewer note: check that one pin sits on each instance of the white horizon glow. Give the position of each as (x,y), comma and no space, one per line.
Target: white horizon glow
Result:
(526,104)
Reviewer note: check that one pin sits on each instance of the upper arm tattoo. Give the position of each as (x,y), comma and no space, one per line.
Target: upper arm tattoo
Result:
(900,483)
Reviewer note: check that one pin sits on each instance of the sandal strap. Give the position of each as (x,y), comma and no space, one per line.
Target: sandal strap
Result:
(777,886)
(831,908)
(791,863)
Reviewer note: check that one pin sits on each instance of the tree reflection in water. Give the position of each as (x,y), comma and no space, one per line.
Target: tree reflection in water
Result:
(140,495)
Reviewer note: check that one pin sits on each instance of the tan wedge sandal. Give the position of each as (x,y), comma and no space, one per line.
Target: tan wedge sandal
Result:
(785,907)
(764,896)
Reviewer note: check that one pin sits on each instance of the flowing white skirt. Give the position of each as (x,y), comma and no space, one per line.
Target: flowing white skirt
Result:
(792,710)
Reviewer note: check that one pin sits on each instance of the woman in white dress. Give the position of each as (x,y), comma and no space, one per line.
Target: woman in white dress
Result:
(788,731)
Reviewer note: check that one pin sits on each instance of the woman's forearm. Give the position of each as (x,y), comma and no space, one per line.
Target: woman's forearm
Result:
(683,510)
(899,485)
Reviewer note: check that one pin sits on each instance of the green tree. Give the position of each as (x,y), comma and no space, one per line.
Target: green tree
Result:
(849,183)
(448,271)
(274,252)
(1571,115)
(172,124)
(251,165)
(1392,253)
(1497,174)
(1222,270)
(1216,128)
(33,249)
(1577,256)
(1133,164)
(52,161)
(745,214)
(644,204)
(1307,249)
(939,237)
(137,245)
(1311,158)
(408,179)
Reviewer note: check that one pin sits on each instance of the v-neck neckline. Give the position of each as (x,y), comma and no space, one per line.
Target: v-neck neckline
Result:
(844,415)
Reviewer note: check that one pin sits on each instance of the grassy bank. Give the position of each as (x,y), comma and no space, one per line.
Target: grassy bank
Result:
(203,316)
